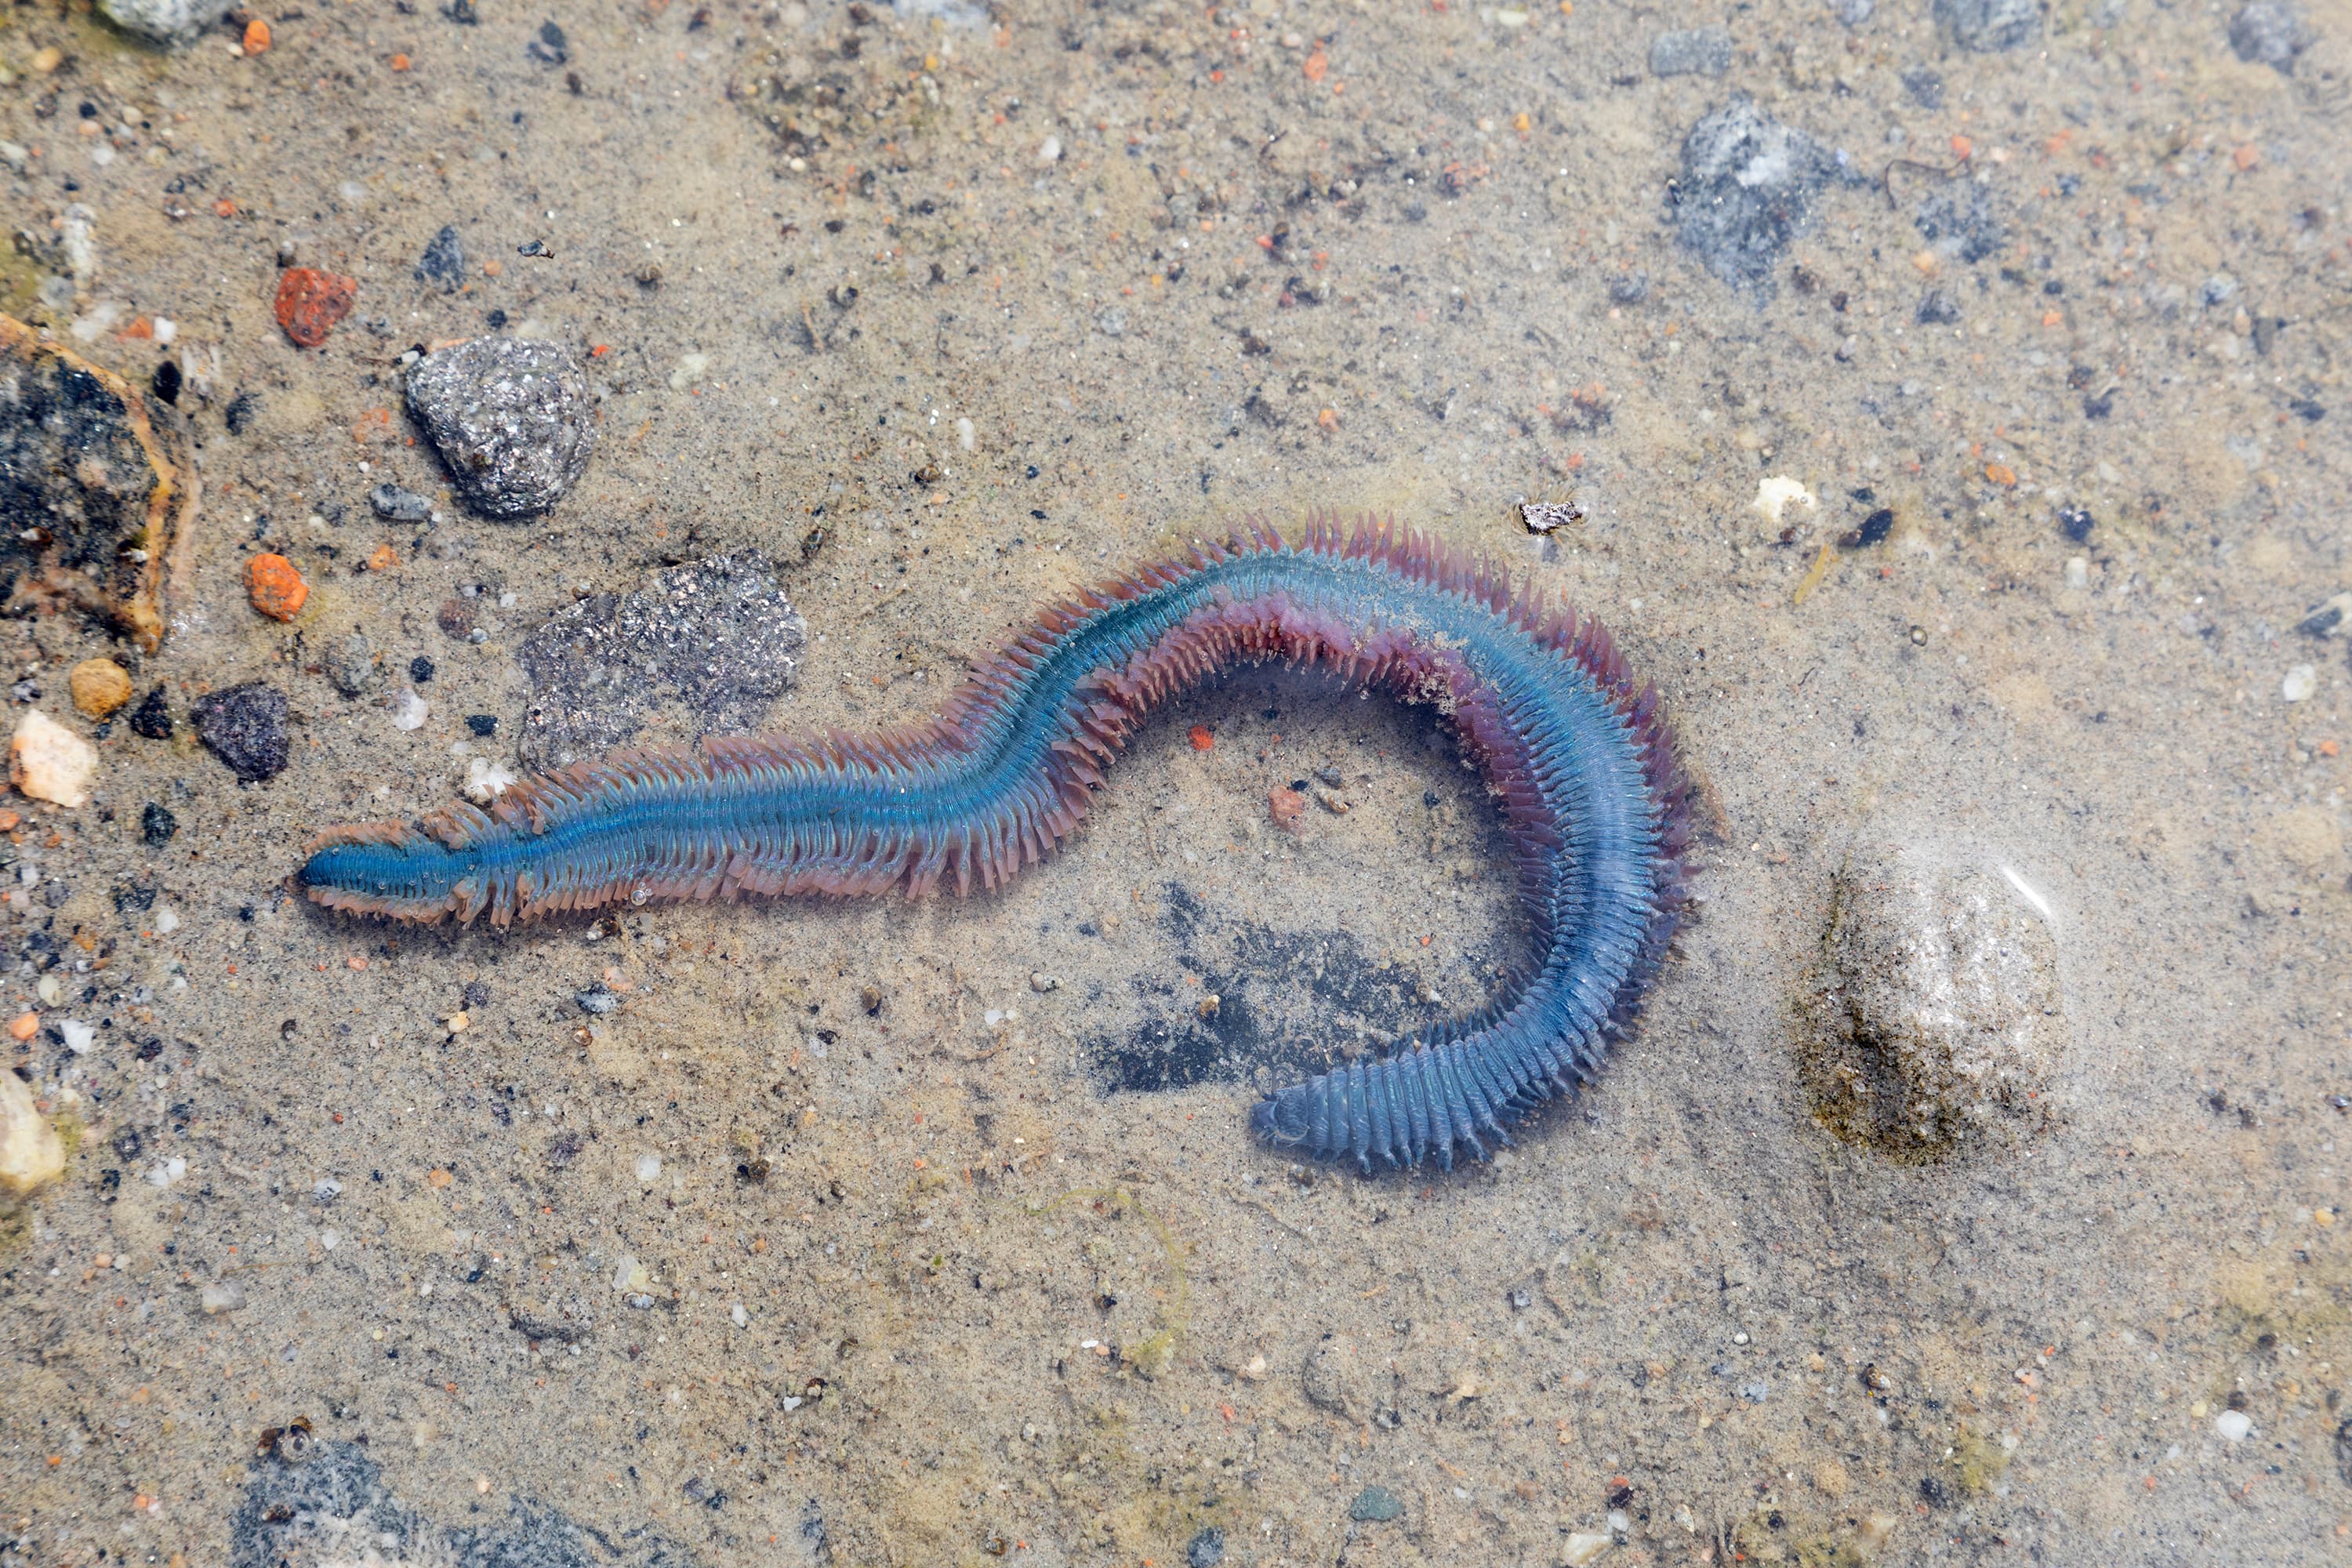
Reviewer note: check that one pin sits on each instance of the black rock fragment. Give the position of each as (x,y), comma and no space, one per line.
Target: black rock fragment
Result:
(245,727)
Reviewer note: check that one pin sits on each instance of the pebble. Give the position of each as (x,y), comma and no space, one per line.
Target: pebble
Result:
(100,686)
(350,665)
(48,762)
(1376,1505)
(161,21)
(77,1035)
(2302,680)
(1937,309)
(1206,1549)
(276,588)
(1933,1024)
(398,505)
(245,727)
(596,1001)
(443,260)
(1746,190)
(2326,618)
(648,1165)
(1697,51)
(2269,33)
(1042,982)
(105,475)
(31,1155)
(1544,516)
(2233,1425)
(1988,27)
(1855,13)
(510,417)
(156,825)
(1584,1547)
(409,709)
(220,1296)
(311,302)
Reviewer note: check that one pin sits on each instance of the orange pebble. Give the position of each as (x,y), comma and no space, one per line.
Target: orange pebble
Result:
(276,590)
(2000,473)
(10,822)
(256,37)
(1286,805)
(383,560)
(23,1025)
(1200,738)
(1962,148)
(399,62)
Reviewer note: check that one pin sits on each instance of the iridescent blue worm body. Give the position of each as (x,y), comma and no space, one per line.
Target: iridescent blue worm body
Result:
(1578,756)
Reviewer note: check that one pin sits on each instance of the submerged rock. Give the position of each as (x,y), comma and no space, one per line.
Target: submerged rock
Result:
(712,643)
(161,21)
(96,484)
(1746,190)
(30,1153)
(49,762)
(511,419)
(1987,27)
(245,727)
(1933,1021)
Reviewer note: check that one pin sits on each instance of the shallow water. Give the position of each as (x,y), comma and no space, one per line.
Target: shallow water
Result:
(1012,1281)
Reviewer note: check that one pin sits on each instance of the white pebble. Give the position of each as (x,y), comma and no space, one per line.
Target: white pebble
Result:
(227,1296)
(78,1036)
(2301,681)
(31,1154)
(486,780)
(2233,1425)
(1049,150)
(649,1167)
(2078,571)
(1044,981)
(166,921)
(742,1319)
(49,762)
(331,1239)
(168,1173)
(408,709)
(1774,495)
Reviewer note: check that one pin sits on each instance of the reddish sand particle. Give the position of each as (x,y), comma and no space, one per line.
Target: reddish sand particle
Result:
(1286,805)
(276,589)
(1200,738)
(309,303)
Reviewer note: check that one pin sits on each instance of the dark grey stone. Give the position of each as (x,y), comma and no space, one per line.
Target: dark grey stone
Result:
(443,259)
(1926,87)
(1746,192)
(350,665)
(1957,218)
(1937,309)
(1855,13)
(311,1502)
(1698,52)
(399,505)
(1206,1549)
(1376,1505)
(710,646)
(511,419)
(1629,287)
(245,727)
(2269,33)
(1988,27)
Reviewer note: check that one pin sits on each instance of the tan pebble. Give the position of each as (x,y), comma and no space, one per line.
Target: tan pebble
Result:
(49,762)
(48,60)
(30,1154)
(100,686)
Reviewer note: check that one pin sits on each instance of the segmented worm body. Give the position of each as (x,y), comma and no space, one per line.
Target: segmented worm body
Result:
(1577,757)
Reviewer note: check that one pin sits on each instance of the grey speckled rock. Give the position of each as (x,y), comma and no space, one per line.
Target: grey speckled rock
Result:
(2270,33)
(1746,190)
(706,646)
(512,420)
(1700,51)
(1932,1024)
(160,21)
(1988,27)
